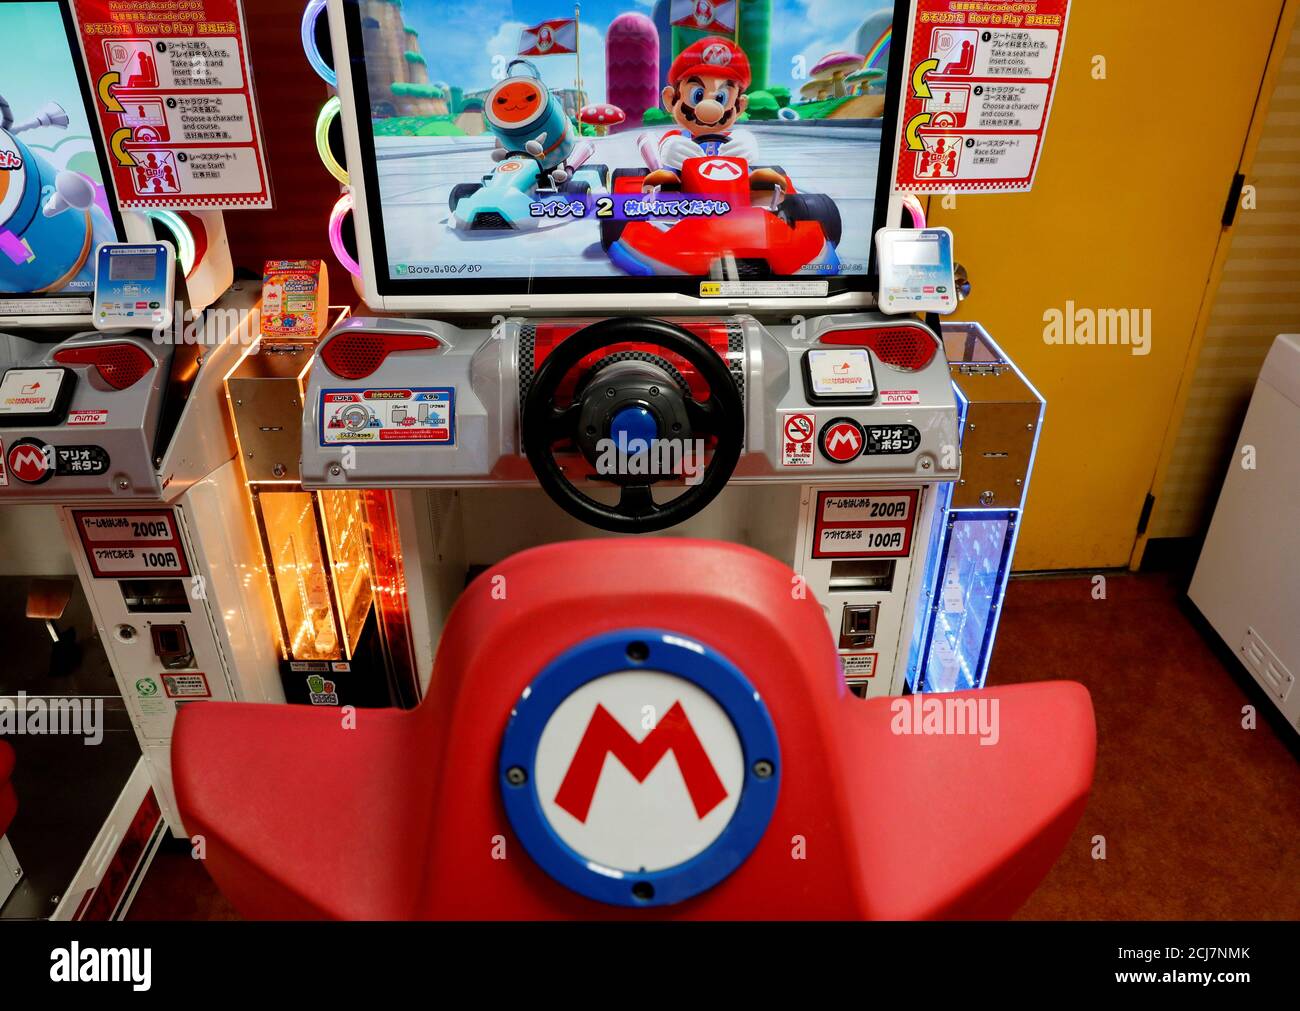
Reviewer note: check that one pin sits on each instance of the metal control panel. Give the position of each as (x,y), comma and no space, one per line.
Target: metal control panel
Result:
(851,397)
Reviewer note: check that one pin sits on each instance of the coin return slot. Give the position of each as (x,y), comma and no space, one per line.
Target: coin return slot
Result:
(858,625)
(862,574)
(154,596)
(171,644)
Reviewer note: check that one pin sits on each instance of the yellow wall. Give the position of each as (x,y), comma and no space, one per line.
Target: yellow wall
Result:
(1125,213)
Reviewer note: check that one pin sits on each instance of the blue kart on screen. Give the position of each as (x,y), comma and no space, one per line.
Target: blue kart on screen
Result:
(519,195)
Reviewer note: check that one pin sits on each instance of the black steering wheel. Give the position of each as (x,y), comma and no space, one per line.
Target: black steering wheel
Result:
(638,397)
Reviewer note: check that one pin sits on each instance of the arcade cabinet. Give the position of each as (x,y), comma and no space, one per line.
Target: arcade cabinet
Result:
(128,576)
(699,349)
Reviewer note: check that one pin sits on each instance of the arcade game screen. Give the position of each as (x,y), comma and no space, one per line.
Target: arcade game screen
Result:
(54,210)
(532,139)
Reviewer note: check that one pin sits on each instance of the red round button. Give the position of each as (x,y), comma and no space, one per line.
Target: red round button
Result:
(842,440)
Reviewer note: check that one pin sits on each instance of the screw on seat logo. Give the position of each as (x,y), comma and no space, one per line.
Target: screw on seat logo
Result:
(606,736)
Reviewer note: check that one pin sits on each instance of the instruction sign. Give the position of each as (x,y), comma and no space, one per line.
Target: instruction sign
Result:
(423,416)
(980,79)
(174,93)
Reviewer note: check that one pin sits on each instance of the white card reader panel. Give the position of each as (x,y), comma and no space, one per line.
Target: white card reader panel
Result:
(916,270)
(135,285)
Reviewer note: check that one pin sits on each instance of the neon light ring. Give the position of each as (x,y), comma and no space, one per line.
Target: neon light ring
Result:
(329,113)
(638,830)
(310,17)
(338,216)
(185,246)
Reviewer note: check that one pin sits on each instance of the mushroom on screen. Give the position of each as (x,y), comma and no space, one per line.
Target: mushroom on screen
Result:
(601,116)
(837,65)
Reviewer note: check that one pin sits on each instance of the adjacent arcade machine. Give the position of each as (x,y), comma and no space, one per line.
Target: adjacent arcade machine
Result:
(710,327)
(129,576)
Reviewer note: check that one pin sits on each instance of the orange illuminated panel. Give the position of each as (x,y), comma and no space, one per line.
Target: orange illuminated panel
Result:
(345,537)
(300,578)
(389,581)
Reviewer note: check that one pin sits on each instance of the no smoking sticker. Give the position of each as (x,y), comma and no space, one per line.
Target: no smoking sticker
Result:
(798,438)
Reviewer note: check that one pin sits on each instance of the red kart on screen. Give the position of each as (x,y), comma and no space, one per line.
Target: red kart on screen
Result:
(770,229)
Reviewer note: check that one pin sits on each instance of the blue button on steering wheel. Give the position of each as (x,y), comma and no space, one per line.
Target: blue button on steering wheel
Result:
(631,424)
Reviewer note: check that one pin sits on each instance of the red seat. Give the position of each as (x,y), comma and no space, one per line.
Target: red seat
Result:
(8,799)
(402,816)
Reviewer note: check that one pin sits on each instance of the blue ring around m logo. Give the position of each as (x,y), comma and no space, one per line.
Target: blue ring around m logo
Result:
(730,772)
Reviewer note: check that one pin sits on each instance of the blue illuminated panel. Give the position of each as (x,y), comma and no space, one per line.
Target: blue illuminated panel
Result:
(972,578)
(968,565)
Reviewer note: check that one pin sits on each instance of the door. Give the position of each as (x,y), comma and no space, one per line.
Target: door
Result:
(1117,239)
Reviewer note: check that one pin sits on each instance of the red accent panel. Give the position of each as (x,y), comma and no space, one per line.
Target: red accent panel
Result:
(120,364)
(8,799)
(389,578)
(200,233)
(910,348)
(355,354)
(549,335)
(120,871)
(907,826)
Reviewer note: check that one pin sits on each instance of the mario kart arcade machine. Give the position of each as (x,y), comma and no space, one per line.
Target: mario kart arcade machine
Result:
(703,324)
(127,585)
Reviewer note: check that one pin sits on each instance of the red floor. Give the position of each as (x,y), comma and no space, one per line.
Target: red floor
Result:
(1199,816)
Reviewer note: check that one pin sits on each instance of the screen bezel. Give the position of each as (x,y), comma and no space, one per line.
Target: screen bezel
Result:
(516,294)
(34,301)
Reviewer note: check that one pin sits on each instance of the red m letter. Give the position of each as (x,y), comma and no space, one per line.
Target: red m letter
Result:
(605,735)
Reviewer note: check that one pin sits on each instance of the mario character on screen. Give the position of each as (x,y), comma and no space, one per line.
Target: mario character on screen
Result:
(705,96)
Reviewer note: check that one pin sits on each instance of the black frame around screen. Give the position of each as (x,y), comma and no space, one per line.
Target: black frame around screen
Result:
(388,286)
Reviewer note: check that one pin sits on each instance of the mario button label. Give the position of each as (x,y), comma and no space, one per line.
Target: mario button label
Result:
(842,440)
(31,461)
(640,768)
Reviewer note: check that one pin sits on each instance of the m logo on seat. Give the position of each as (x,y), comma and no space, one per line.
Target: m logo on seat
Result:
(639,767)
(631,798)
(606,736)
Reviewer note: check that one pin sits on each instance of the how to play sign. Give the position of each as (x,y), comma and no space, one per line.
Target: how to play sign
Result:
(978,88)
(174,93)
